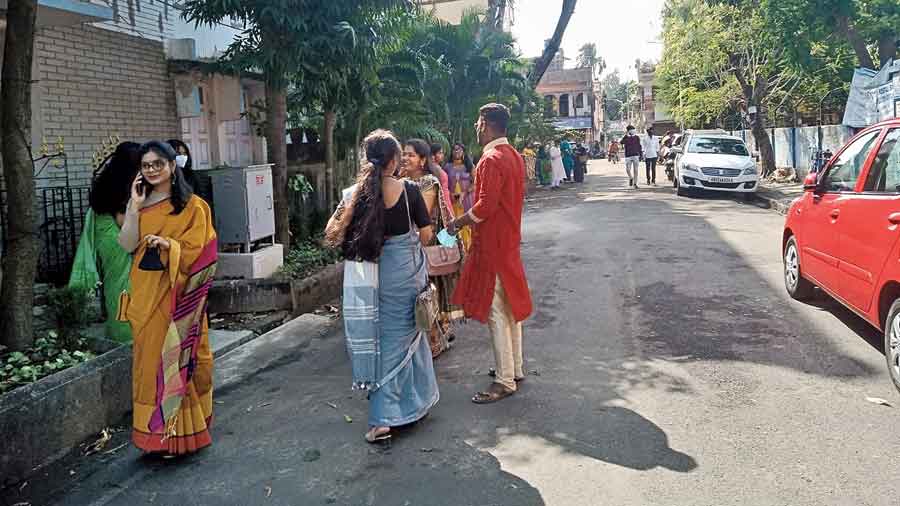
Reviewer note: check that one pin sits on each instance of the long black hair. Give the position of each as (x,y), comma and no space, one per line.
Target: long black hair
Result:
(423,149)
(181,190)
(188,168)
(364,236)
(467,160)
(111,183)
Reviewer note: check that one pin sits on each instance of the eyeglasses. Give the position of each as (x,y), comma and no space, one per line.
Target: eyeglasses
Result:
(154,166)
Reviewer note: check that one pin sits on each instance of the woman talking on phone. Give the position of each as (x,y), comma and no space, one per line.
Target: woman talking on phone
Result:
(170,232)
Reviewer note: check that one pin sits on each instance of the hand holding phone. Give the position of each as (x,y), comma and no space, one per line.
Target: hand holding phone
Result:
(140,189)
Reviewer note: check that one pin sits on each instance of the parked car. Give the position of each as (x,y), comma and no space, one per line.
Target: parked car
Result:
(713,160)
(841,235)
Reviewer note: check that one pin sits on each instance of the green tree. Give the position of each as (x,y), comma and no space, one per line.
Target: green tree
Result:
(724,54)
(280,39)
(21,252)
(870,28)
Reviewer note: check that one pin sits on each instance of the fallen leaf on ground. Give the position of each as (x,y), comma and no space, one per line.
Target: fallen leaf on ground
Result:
(878,400)
(348,419)
(331,404)
(219,402)
(23,486)
(427,450)
(311,455)
(99,444)
(268,491)
(71,472)
(264,404)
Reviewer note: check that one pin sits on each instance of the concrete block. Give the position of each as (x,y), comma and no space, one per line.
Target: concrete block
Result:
(223,341)
(271,347)
(250,296)
(262,263)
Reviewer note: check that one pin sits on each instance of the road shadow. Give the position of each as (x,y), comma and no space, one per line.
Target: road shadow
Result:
(293,434)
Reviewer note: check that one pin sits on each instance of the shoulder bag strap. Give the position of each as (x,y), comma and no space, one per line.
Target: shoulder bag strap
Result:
(413,241)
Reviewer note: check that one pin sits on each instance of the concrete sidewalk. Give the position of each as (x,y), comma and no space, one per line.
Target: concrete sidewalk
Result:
(779,196)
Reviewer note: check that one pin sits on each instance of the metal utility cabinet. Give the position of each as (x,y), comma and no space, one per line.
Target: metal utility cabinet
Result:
(244,208)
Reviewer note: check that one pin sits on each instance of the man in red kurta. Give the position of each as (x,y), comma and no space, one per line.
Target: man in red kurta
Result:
(492,288)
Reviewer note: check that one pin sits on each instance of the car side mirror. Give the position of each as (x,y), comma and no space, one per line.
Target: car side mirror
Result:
(811,182)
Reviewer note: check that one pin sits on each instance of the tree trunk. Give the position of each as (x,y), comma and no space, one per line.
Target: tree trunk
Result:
(496,13)
(887,48)
(276,133)
(328,140)
(21,251)
(763,142)
(857,42)
(541,64)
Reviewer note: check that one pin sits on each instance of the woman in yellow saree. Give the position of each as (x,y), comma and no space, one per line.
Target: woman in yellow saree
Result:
(171,233)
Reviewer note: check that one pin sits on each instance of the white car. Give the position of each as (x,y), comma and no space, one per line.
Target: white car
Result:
(714,161)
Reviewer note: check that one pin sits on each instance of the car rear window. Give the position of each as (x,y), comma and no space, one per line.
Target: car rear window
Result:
(718,146)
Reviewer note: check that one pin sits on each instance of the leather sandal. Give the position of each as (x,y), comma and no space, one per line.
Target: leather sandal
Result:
(494,393)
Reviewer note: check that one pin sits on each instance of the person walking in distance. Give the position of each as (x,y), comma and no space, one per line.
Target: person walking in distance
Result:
(556,163)
(650,147)
(493,288)
(633,155)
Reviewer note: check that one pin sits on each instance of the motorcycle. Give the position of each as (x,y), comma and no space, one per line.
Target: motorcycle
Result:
(670,166)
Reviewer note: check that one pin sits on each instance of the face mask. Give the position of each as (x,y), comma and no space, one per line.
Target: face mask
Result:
(181,160)
(631,133)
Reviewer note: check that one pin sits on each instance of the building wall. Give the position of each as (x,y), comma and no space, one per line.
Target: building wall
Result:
(93,83)
(452,11)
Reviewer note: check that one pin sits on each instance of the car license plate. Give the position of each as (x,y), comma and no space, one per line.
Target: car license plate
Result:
(721,180)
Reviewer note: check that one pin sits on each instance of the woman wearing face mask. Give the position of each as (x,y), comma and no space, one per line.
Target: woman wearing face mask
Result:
(380,226)
(184,160)
(416,155)
(170,232)
(100,260)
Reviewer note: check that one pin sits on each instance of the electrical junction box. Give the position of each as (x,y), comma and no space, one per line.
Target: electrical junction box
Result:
(244,205)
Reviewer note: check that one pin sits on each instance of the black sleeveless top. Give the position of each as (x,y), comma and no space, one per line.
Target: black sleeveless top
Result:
(396,221)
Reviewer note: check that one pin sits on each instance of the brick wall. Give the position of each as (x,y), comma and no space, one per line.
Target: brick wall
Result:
(95,83)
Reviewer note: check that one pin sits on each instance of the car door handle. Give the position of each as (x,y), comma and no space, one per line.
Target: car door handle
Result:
(894,218)
(835,213)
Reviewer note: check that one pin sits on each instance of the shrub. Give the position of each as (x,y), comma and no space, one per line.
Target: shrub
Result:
(71,311)
(47,356)
(306,258)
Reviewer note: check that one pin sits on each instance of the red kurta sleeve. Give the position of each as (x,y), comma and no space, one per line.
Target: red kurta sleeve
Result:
(490,190)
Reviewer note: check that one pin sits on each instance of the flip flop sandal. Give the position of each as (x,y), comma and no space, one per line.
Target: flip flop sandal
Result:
(372,438)
(493,394)
(493,373)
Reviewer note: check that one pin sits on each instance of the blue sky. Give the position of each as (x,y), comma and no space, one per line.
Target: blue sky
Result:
(622,31)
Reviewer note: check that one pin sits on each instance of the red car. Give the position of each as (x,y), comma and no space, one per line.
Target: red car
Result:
(841,235)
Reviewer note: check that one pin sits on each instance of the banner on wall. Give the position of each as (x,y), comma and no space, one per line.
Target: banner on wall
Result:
(873,96)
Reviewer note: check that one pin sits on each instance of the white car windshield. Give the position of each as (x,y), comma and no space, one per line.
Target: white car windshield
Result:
(717,146)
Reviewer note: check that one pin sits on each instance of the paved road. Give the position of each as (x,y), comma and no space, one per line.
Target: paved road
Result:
(668,367)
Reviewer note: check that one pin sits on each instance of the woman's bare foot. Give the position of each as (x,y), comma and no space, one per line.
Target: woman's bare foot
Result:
(376,434)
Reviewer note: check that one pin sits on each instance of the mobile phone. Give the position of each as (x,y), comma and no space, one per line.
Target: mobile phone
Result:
(146,187)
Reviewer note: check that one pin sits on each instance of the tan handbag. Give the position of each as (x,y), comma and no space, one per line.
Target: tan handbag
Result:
(443,260)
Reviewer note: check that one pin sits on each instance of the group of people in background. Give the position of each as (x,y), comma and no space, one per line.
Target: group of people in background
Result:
(558,162)
(149,245)
(406,199)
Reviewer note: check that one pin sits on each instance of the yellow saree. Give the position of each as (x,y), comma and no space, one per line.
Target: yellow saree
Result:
(172,370)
